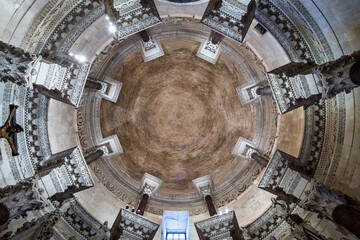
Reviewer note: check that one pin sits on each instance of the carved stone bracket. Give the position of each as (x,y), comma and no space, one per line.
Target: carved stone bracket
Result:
(209,51)
(247,93)
(244,148)
(150,184)
(204,185)
(151,49)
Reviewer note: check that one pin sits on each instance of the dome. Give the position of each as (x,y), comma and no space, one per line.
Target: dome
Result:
(182,100)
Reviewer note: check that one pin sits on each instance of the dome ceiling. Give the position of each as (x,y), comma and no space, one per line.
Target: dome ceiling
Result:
(178,117)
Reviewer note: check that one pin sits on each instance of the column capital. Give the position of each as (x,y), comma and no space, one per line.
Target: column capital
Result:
(322,199)
(150,184)
(204,185)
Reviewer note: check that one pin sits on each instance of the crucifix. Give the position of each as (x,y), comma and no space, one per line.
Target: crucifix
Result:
(6,131)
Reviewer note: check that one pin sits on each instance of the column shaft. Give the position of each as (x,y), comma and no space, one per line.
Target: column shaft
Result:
(355,73)
(349,217)
(94,156)
(216,38)
(142,204)
(259,159)
(93,85)
(210,205)
(144,36)
(263,91)
(4,214)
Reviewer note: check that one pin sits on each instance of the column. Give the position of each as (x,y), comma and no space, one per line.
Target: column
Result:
(333,205)
(259,159)
(144,36)
(93,85)
(355,73)
(210,205)
(150,184)
(16,65)
(216,38)
(4,214)
(121,12)
(313,195)
(94,156)
(263,91)
(325,81)
(204,186)
(16,200)
(142,205)
(51,77)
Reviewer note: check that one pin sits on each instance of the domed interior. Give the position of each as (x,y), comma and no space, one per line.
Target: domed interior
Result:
(178,117)
(181,116)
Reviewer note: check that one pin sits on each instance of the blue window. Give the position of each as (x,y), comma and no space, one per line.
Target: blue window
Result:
(175,236)
(175,225)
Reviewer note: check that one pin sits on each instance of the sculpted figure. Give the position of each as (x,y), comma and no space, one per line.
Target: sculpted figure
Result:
(6,130)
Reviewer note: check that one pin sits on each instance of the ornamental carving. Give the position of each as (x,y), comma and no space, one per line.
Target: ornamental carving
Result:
(218,227)
(129,225)
(322,200)
(231,18)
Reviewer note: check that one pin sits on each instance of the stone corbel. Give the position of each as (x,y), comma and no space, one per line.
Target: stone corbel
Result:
(151,49)
(209,51)
(110,89)
(111,146)
(204,185)
(247,93)
(244,148)
(150,184)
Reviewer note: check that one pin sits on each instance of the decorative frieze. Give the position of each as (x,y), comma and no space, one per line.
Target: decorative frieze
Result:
(231,18)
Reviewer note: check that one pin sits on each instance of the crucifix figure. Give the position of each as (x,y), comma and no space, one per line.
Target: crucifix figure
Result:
(6,131)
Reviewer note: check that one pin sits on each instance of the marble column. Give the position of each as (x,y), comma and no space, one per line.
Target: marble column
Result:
(4,214)
(355,73)
(349,217)
(94,156)
(210,205)
(142,205)
(259,159)
(93,85)
(333,205)
(16,200)
(144,36)
(216,38)
(263,91)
